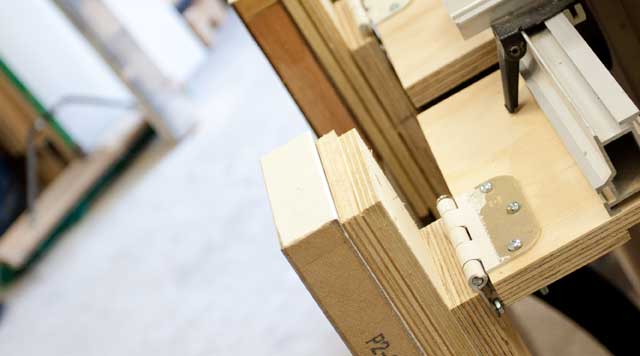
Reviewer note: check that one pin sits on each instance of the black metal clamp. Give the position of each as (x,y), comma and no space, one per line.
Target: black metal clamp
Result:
(512,46)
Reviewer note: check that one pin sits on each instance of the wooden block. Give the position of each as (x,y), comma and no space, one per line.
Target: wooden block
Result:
(320,251)
(389,242)
(429,54)
(289,54)
(474,138)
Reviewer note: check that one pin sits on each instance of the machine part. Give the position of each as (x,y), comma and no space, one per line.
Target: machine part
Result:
(474,16)
(596,120)
(511,44)
(484,234)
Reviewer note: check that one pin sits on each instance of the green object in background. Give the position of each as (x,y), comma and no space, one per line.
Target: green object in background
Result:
(8,274)
(40,109)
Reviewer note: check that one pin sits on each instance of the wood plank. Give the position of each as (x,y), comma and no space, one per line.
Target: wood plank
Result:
(375,66)
(398,158)
(295,63)
(21,240)
(389,242)
(474,138)
(411,133)
(429,53)
(320,251)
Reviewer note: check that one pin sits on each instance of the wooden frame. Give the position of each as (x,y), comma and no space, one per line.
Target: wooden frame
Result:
(418,268)
(342,79)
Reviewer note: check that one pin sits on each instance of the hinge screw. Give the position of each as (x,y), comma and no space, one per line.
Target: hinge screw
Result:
(477,282)
(486,187)
(513,207)
(514,245)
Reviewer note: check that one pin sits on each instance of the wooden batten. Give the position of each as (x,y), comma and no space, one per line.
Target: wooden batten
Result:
(318,21)
(289,54)
(389,242)
(322,254)
(375,66)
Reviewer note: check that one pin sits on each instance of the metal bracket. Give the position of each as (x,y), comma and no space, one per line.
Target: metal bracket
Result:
(488,227)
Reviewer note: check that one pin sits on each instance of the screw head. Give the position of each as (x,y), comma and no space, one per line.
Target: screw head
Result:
(499,307)
(514,245)
(477,281)
(515,51)
(513,207)
(486,187)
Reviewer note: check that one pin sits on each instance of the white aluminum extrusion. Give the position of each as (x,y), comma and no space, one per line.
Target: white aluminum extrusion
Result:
(475,16)
(583,102)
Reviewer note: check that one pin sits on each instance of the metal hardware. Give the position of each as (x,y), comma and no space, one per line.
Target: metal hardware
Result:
(508,31)
(380,10)
(514,245)
(513,207)
(484,235)
(486,187)
(597,122)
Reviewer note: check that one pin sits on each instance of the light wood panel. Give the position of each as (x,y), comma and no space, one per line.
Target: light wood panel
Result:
(320,251)
(474,138)
(295,63)
(429,54)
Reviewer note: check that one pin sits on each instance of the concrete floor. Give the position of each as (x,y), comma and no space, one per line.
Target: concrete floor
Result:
(180,256)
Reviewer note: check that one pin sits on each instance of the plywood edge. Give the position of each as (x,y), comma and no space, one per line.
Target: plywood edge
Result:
(322,254)
(373,119)
(441,81)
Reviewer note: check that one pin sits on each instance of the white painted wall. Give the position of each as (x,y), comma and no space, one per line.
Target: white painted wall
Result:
(53,60)
(162,34)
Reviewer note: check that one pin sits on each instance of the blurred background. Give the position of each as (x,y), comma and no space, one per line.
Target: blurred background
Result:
(134,216)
